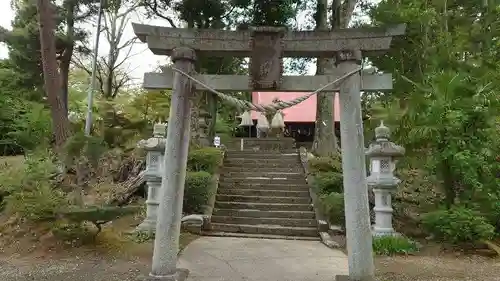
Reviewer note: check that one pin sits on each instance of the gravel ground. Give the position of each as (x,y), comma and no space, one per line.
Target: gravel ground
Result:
(91,267)
(433,268)
(88,268)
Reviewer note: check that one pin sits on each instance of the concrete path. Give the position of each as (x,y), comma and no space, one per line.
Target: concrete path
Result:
(246,259)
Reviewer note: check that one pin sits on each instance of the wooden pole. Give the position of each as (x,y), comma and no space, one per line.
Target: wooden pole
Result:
(168,225)
(357,216)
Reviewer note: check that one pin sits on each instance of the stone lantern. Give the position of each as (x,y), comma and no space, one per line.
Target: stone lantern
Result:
(383,155)
(155,148)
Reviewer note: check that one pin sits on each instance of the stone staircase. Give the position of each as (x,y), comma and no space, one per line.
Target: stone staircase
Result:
(263,194)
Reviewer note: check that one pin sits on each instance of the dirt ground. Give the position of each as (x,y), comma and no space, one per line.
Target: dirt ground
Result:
(436,268)
(130,261)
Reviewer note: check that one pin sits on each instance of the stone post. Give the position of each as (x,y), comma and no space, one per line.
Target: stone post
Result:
(383,154)
(168,226)
(155,147)
(359,238)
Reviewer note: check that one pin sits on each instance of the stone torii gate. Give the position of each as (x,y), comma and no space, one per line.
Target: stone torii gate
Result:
(266,47)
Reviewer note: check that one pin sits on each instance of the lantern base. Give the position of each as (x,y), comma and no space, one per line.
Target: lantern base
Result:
(379,231)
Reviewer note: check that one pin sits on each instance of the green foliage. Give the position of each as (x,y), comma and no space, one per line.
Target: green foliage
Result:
(75,234)
(393,245)
(325,164)
(196,191)
(39,204)
(142,236)
(327,173)
(333,206)
(24,125)
(32,126)
(30,189)
(204,159)
(327,182)
(80,145)
(458,225)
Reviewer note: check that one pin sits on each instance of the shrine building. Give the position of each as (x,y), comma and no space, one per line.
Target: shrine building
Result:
(299,119)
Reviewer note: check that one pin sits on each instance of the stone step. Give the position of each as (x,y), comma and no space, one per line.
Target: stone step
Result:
(263,192)
(258,236)
(288,186)
(262,199)
(263,206)
(265,174)
(259,161)
(270,152)
(259,168)
(261,155)
(265,214)
(263,221)
(262,180)
(266,229)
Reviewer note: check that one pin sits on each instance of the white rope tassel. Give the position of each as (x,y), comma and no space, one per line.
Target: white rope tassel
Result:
(262,123)
(278,121)
(246,119)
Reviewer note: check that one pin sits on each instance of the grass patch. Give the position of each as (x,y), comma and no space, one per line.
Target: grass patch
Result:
(394,245)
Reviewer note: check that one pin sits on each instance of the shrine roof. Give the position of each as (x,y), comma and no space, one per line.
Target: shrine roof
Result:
(303,112)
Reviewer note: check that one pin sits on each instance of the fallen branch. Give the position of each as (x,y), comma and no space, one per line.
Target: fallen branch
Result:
(131,186)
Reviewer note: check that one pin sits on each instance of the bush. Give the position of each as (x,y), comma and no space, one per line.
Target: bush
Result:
(458,225)
(196,191)
(333,206)
(30,191)
(393,245)
(204,159)
(325,164)
(39,204)
(328,182)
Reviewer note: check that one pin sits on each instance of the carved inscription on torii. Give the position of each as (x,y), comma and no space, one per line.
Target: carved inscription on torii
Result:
(266,60)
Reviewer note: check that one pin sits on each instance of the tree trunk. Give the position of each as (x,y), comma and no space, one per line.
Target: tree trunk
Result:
(65,62)
(325,141)
(212,107)
(46,14)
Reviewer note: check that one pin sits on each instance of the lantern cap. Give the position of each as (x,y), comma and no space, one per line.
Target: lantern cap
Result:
(382,147)
(382,132)
(160,129)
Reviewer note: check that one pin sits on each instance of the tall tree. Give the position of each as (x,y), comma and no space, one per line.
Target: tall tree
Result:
(46,16)
(24,43)
(112,73)
(325,140)
(447,81)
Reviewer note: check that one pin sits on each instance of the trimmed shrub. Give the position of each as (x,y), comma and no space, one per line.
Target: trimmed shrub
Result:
(206,159)
(325,164)
(458,225)
(393,245)
(196,191)
(333,206)
(97,215)
(328,182)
